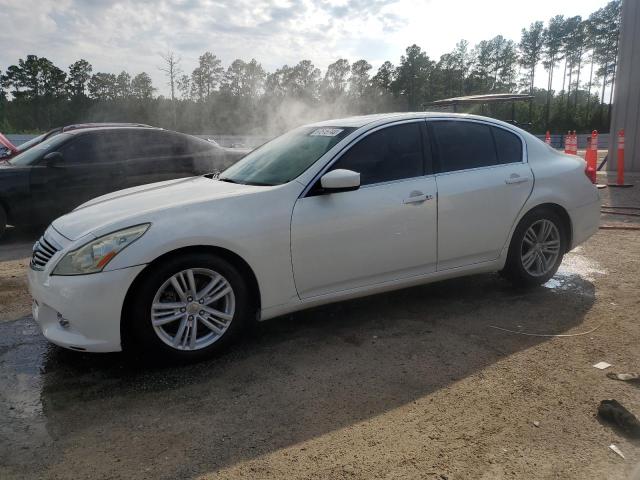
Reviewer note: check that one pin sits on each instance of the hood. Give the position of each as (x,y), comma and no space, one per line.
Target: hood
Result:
(140,204)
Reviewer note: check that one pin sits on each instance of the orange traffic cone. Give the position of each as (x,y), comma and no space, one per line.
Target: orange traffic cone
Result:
(620,166)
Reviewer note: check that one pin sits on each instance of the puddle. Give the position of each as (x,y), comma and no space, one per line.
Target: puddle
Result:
(574,271)
(22,421)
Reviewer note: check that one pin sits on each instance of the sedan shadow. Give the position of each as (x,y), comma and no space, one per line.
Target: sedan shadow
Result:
(294,378)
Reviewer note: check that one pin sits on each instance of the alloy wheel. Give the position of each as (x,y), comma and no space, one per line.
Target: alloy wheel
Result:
(540,248)
(193,309)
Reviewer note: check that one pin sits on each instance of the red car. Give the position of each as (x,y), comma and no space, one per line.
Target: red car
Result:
(7,149)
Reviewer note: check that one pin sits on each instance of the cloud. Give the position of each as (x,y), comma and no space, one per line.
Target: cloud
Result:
(130,35)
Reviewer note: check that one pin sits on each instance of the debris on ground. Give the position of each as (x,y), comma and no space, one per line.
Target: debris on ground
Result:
(625,377)
(602,365)
(613,412)
(616,450)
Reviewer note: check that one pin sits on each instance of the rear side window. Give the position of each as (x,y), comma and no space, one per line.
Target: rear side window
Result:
(154,143)
(508,146)
(463,145)
(110,146)
(392,153)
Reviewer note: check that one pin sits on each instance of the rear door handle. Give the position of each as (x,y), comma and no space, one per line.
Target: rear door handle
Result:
(417,197)
(513,179)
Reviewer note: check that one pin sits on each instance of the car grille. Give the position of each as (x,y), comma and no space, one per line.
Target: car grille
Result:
(43,250)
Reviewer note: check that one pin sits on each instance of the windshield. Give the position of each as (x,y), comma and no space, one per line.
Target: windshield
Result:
(286,157)
(30,143)
(34,153)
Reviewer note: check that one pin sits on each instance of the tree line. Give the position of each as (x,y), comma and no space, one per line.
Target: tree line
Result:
(244,98)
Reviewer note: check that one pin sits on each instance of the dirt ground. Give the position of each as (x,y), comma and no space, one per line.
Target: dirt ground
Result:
(15,249)
(412,384)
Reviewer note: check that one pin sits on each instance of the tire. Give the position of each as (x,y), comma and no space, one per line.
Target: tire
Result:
(526,269)
(156,288)
(3,221)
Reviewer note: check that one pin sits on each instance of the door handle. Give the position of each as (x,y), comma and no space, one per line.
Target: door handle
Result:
(514,179)
(417,197)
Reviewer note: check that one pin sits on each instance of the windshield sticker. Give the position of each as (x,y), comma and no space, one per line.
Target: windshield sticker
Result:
(326,132)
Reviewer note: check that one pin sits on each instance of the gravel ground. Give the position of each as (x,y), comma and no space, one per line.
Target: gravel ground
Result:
(411,384)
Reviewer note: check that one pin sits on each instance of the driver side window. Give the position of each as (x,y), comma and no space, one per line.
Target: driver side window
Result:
(393,153)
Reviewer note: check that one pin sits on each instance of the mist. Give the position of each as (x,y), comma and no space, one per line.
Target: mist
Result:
(249,121)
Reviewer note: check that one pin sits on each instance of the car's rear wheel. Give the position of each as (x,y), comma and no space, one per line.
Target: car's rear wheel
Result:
(537,248)
(189,307)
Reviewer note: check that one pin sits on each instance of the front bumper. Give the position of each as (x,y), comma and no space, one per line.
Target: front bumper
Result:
(81,312)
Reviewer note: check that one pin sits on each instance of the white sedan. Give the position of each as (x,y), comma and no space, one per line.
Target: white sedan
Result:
(326,212)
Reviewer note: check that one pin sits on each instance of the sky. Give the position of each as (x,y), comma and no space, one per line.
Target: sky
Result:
(131,35)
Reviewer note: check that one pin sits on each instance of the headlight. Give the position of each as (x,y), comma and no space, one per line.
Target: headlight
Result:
(95,255)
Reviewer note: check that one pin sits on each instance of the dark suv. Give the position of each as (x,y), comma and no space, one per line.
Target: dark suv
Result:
(64,171)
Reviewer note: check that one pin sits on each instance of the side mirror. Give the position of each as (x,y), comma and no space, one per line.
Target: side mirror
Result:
(53,159)
(340,180)
(4,153)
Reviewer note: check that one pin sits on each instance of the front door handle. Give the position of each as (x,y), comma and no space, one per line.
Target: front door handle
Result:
(417,197)
(514,179)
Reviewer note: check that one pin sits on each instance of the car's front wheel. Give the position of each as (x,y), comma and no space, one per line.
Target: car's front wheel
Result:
(189,306)
(537,248)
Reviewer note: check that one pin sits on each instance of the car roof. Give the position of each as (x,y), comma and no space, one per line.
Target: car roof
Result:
(359,121)
(80,131)
(77,126)
(84,126)
(380,118)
